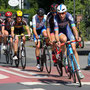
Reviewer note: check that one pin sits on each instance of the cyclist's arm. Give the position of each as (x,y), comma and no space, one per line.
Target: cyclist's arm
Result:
(75,32)
(28,31)
(34,31)
(48,33)
(34,26)
(12,31)
(3,27)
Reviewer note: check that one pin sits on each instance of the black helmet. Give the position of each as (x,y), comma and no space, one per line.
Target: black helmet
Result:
(40,12)
(53,7)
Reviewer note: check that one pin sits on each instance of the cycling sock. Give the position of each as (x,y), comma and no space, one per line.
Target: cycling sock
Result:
(38,58)
(54,57)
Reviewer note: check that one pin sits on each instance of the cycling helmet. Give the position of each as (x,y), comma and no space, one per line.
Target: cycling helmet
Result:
(8,14)
(40,12)
(61,8)
(19,13)
(53,7)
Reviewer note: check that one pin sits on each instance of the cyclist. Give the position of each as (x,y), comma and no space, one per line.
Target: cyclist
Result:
(63,21)
(39,27)
(50,28)
(6,27)
(17,27)
(1,24)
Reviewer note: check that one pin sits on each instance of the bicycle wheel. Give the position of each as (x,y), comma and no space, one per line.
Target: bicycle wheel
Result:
(11,55)
(41,59)
(18,55)
(82,43)
(68,68)
(47,58)
(23,57)
(7,53)
(76,70)
(59,65)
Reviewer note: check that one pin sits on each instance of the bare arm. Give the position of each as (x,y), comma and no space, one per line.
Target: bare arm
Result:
(75,32)
(28,30)
(3,27)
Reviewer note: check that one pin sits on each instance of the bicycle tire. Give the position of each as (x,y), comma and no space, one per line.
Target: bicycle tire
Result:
(47,59)
(41,59)
(59,65)
(18,55)
(76,72)
(11,55)
(7,53)
(23,58)
(82,43)
(68,70)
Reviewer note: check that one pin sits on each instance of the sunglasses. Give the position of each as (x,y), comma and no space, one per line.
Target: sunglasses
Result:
(62,13)
(40,16)
(54,12)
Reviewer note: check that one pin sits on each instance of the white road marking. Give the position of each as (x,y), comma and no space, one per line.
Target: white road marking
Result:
(30,73)
(34,89)
(21,75)
(41,83)
(3,76)
(38,83)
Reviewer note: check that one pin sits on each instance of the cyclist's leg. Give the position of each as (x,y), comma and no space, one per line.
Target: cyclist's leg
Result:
(37,51)
(15,47)
(71,37)
(53,48)
(63,39)
(43,31)
(5,38)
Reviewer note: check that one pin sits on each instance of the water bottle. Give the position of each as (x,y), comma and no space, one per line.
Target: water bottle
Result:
(89,59)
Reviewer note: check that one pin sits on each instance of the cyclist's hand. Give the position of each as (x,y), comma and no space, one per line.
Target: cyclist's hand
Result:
(58,43)
(79,39)
(50,42)
(37,37)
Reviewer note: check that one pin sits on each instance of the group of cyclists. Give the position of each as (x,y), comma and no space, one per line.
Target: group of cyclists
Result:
(57,25)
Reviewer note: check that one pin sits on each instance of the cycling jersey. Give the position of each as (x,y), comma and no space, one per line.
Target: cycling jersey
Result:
(40,26)
(18,27)
(50,22)
(36,22)
(63,26)
(7,25)
(1,23)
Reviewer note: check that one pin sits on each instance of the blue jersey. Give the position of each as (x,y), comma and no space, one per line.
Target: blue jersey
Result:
(61,25)
(37,23)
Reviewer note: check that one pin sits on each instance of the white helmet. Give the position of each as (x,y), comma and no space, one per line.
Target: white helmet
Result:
(61,8)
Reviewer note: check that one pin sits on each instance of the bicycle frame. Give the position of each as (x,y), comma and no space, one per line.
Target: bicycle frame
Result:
(69,53)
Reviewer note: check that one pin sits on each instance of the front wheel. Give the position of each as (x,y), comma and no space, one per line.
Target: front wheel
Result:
(18,55)
(76,70)
(23,57)
(47,58)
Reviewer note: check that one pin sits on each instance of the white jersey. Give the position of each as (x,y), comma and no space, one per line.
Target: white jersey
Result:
(36,22)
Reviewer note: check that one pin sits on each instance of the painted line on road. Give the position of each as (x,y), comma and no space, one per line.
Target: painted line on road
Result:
(49,83)
(21,75)
(30,73)
(34,89)
(3,76)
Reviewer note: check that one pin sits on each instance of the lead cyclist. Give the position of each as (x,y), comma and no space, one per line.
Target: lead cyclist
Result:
(63,32)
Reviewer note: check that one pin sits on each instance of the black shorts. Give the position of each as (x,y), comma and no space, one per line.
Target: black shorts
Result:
(19,31)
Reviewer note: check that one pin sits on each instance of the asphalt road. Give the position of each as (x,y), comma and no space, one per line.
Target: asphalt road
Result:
(12,78)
